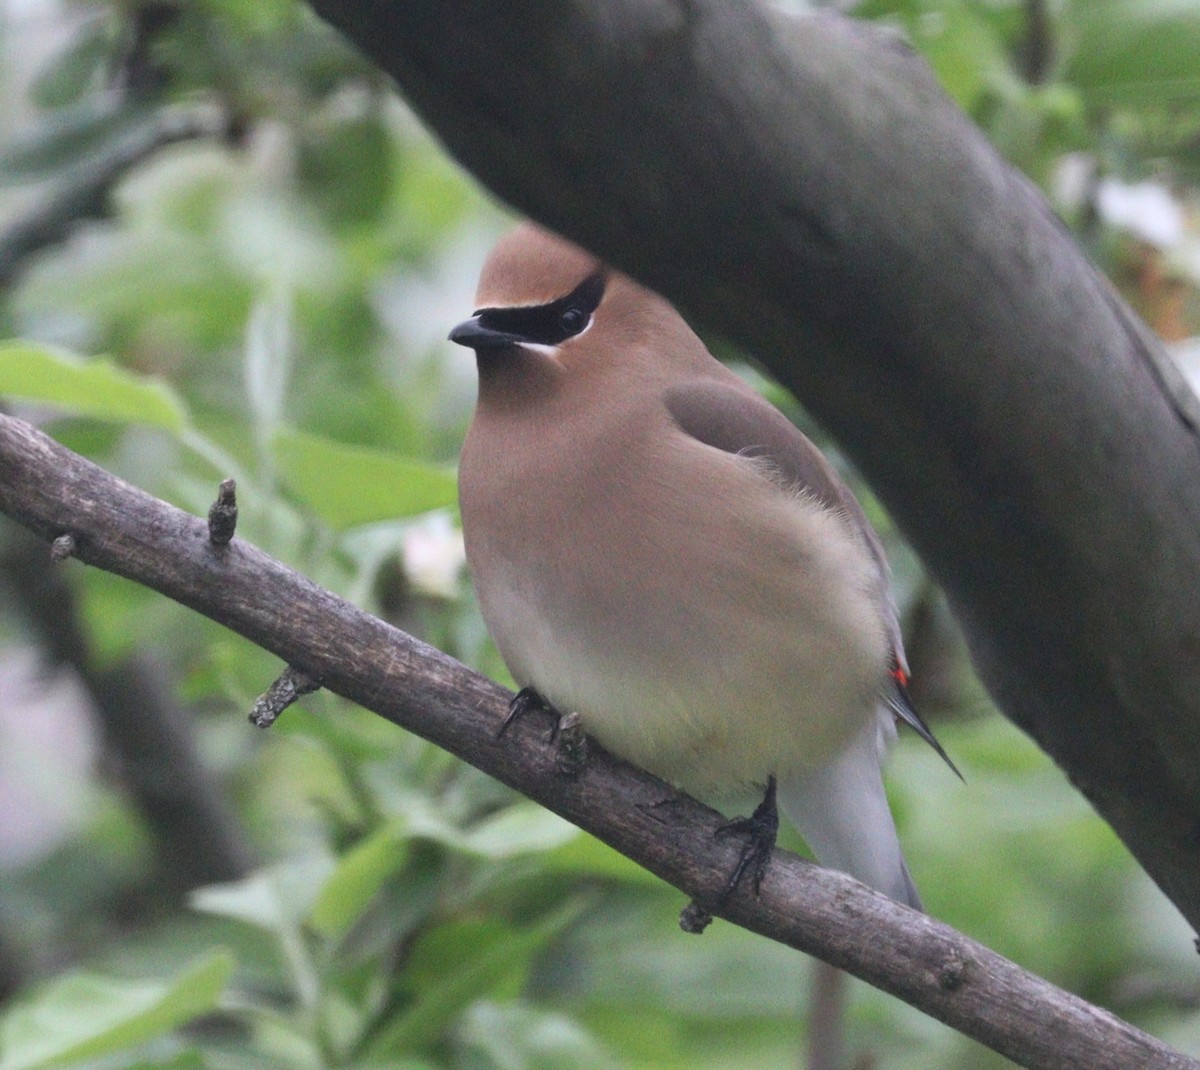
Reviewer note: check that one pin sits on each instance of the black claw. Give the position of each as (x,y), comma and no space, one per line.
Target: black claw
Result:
(761,828)
(524,701)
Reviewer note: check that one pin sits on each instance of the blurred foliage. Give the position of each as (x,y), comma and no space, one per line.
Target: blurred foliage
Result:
(269,300)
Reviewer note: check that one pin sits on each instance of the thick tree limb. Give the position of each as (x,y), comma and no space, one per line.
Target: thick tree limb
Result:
(803,186)
(123,530)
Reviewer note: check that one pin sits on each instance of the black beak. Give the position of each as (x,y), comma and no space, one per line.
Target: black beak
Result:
(475,335)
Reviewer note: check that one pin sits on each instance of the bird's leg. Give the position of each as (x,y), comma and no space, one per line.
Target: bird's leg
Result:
(567,732)
(761,828)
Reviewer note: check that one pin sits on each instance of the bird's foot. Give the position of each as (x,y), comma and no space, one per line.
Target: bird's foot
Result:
(567,733)
(761,829)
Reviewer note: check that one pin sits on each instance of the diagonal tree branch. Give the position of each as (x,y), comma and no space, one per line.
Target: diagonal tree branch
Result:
(803,186)
(119,528)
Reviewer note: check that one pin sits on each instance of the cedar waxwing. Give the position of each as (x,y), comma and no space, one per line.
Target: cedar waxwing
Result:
(657,548)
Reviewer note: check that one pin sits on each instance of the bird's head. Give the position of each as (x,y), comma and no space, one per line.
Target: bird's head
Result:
(537,291)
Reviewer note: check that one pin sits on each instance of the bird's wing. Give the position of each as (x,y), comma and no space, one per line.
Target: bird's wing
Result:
(735,419)
(732,417)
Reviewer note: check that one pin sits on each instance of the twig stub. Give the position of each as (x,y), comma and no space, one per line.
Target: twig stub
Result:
(694,919)
(291,685)
(222,515)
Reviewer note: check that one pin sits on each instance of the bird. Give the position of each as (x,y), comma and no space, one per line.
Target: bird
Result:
(659,550)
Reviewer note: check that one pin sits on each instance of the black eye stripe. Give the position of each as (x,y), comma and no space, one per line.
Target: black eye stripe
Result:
(546,324)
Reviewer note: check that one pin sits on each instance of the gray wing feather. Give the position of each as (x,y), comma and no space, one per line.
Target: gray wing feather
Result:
(730,416)
(733,418)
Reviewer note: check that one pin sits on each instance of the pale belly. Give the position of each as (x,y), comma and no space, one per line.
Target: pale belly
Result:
(758,652)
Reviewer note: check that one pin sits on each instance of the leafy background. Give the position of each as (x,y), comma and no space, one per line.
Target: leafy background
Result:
(227,249)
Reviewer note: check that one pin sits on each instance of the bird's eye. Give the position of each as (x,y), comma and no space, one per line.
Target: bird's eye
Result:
(573,320)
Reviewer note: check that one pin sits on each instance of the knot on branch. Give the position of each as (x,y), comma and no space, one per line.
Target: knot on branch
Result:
(952,974)
(62,548)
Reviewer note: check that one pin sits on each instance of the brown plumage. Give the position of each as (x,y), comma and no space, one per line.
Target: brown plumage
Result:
(658,548)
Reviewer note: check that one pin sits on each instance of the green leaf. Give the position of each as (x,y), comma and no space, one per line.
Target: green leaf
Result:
(70,137)
(360,873)
(959,41)
(518,1035)
(71,73)
(350,485)
(276,898)
(523,828)
(587,856)
(184,1060)
(1125,51)
(258,17)
(454,964)
(359,146)
(83,1016)
(276,1042)
(97,388)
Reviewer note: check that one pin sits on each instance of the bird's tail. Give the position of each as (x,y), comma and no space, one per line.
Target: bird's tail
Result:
(842,812)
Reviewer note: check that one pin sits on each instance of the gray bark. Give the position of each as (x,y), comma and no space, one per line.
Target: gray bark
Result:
(804,187)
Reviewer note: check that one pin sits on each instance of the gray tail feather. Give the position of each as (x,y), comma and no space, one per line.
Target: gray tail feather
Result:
(912,897)
(842,812)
